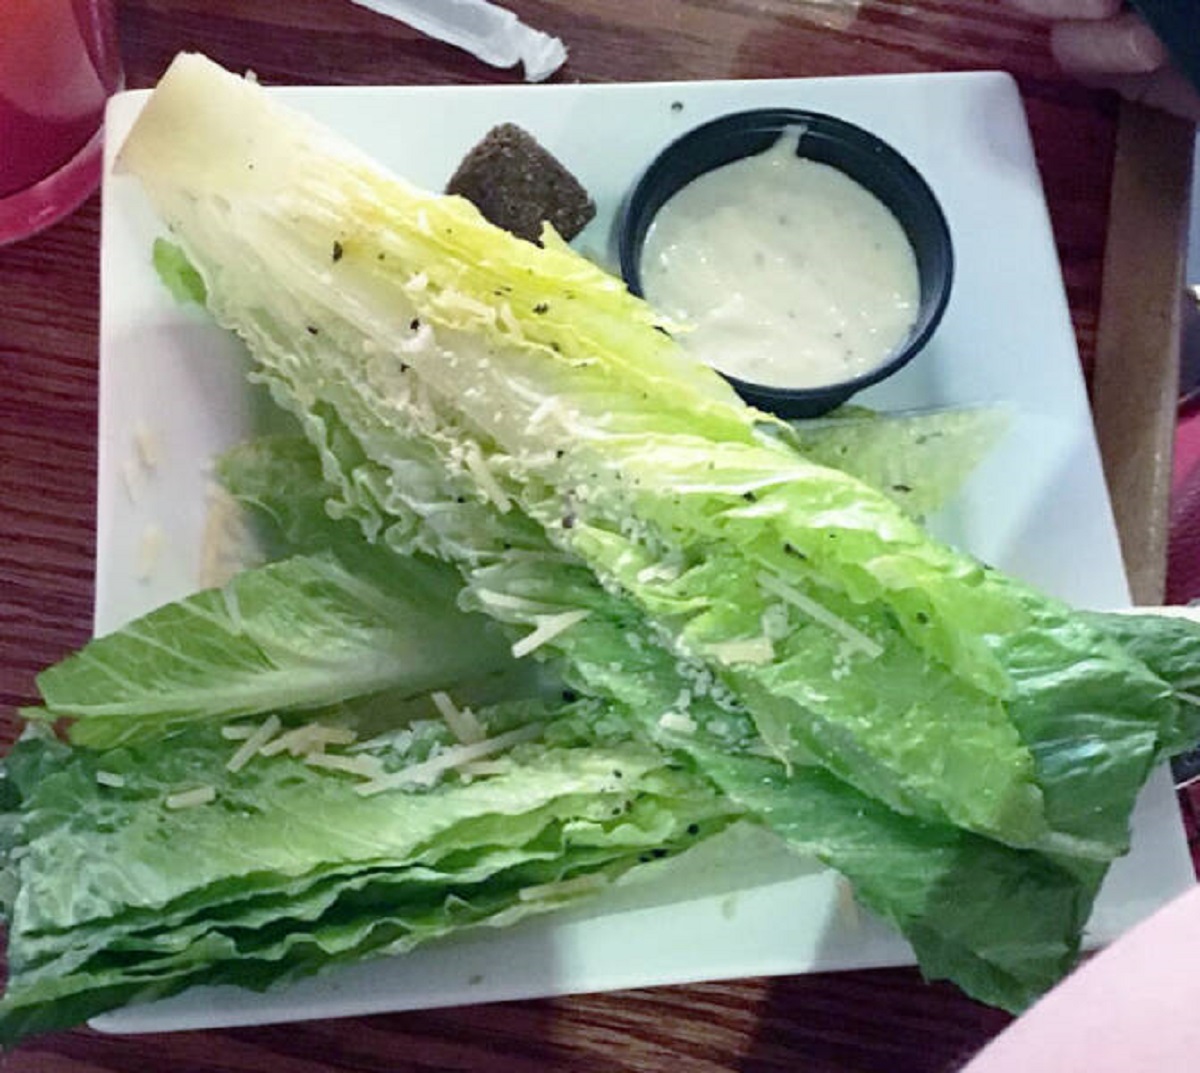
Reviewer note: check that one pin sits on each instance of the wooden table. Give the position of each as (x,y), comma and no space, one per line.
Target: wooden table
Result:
(48,331)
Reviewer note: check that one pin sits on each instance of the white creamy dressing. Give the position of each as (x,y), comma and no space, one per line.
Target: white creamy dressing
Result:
(788,272)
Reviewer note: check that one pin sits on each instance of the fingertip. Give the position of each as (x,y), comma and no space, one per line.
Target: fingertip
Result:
(1125,45)
(1069,9)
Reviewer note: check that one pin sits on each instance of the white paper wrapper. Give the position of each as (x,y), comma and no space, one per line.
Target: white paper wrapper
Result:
(490,33)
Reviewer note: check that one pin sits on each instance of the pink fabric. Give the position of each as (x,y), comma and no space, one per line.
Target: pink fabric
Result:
(1187,446)
(1183,552)
(1131,1009)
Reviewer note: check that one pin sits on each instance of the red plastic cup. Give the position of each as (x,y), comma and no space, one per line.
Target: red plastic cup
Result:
(59,63)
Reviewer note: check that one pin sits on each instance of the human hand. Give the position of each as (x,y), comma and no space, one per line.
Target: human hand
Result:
(1103,45)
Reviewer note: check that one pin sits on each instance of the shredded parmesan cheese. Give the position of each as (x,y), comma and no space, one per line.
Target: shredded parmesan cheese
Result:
(366,767)
(662,571)
(680,724)
(483,768)
(237,731)
(507,600)
(461,721)
(511,324)
(818,613)
(427,772)
(110,778)
(565,888)
(486,481)
(756,650)
(548,627)
(201,795)
(249,748)
(398,740)
(308,739)
(542,411)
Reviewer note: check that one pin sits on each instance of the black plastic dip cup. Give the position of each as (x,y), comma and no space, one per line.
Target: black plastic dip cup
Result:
(857,153)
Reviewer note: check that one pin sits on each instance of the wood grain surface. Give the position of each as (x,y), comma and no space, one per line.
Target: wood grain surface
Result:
(865,1021)
(1135,378)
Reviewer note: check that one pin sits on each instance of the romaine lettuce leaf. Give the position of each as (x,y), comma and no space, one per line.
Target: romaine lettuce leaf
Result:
(513,411)
(307,631)
(920,459)
(580,413)
(458,381)
(942,887)
(177,273)
(279,483)
(1170,646)
(290,869)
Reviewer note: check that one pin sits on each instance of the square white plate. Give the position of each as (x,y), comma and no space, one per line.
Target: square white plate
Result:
(172,396)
